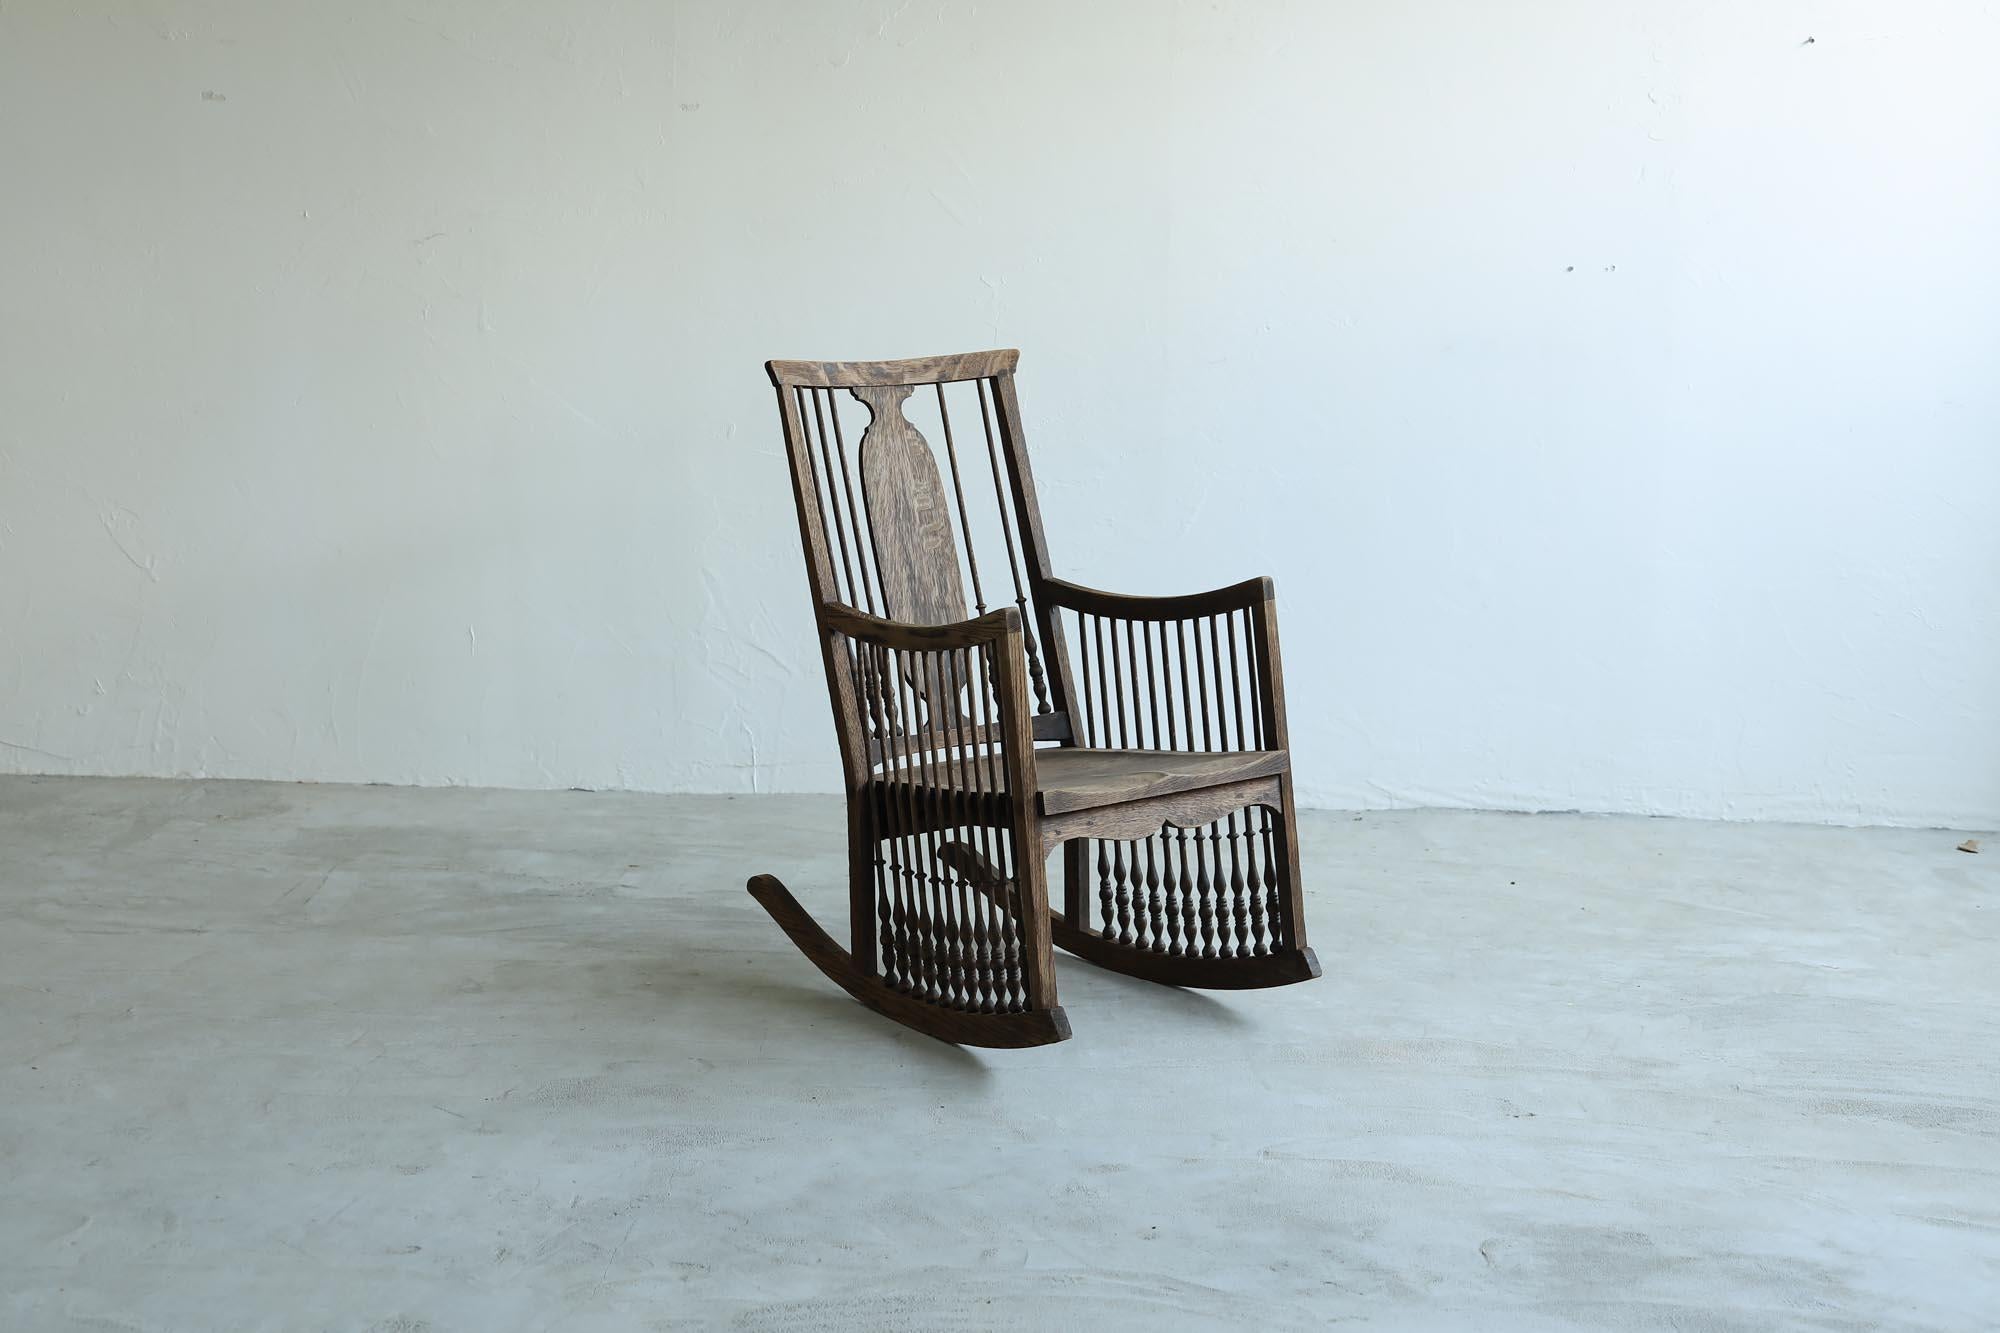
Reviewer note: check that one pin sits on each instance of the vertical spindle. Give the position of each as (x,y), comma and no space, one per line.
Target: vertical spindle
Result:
(854,513)
(1157,919)
(1152,686)
(1201,689)
(1107,899)
(830,498)
(1202,885)
(1089,706)
(1259,930)
(1035,673)
(1190,903)
(1124,888)
(958,488)
(1118,692)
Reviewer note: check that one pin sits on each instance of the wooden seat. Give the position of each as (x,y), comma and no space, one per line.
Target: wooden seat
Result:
(1077,779)
(1069,779)
(1073,779)
(989,712)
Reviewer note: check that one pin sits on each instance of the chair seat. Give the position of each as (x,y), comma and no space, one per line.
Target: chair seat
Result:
(1071,779)
(1076,779)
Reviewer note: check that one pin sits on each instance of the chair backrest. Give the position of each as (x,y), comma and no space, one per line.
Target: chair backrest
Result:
(891,533)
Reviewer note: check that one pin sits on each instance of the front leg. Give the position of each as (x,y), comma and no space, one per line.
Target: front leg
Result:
(948,754)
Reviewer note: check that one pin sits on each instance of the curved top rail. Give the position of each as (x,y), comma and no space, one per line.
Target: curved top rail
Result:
(1189,606)
(881,374)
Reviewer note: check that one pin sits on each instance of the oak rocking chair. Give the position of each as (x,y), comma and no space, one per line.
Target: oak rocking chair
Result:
(1144,735)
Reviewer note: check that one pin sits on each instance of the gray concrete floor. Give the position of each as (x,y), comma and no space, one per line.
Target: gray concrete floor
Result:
(371,1058)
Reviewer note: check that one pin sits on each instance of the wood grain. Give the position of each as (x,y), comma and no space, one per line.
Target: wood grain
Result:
(1138,819)
(909,516)
(1291,925)
(1077,779)
(1031,890)
(1097,804)
(913,370)
(1122,606)
(993,627)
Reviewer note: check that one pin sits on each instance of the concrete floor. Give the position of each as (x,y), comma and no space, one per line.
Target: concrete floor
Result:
(302,1057)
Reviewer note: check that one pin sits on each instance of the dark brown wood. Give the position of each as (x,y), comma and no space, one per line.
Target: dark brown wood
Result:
(1018,753)
(1277,969)
(861,889)
(1072,779)
(1170,789)
(1122,606)
(915,370)
(1285,855)
(819,577)
(1076,779)
(988,628)
(1186,809)
(1028,512)
(1076,872)
(909,516)
(964,1028)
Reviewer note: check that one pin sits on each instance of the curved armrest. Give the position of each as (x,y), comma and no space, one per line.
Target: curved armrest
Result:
(1120,606)
(1121,685)
(993,627)
(919,654)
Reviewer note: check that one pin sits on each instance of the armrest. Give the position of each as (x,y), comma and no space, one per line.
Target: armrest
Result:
(993,627)
(922,656)
(1120,606)
(1199,674)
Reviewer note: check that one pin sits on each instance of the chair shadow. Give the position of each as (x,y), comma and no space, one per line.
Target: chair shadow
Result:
(1184,1001)
(753,1001)
(718,991)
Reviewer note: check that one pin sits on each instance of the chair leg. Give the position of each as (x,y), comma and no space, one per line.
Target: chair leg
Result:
(1076,883)
(1214,908)
(929,951)
(1290,897)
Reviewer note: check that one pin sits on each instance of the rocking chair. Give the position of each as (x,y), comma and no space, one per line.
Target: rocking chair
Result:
(1143,735)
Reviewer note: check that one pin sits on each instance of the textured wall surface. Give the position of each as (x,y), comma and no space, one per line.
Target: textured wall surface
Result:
(1609,386)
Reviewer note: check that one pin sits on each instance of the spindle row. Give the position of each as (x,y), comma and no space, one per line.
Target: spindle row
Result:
(827,417)
(943,869)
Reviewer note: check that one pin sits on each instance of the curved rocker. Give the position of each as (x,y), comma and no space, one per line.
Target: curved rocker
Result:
(1257,972)
(1284,967)
(1036,1027)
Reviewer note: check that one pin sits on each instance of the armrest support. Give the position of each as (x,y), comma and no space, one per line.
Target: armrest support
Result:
(946,743)
(1122,606)
(919,689)
(1207,661)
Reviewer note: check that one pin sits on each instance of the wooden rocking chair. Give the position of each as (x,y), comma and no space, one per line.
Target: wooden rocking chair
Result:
(1162,770)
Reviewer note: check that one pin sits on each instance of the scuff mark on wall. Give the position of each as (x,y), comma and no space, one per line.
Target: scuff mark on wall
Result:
(121,525)
(34,749)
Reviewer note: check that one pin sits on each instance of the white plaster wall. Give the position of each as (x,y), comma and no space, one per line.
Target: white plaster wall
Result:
(1611,387)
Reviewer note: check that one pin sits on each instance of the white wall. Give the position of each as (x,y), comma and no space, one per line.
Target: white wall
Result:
(1611,387)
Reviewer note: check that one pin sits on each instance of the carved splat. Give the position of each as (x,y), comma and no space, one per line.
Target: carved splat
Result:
(909,515)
